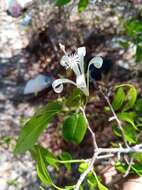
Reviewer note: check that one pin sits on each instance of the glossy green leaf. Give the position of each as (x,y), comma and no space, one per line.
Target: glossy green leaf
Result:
(119,98)
(82,5)
(137,156)
(74,128)
(138,105)
(121,167)
(92,182)
(66,156)
(49,158)
(116,130)
(82,167)
(62,2)
(137,168)
(131,98)
(99,184)
(127,117)
(42,170)
(35,126)
(130,134)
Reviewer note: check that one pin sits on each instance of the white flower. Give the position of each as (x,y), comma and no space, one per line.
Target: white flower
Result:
(76,63)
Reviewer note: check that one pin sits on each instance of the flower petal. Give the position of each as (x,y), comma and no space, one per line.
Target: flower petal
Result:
(81,51)
(80,81)
(58,84)
(97,62)
(64,61)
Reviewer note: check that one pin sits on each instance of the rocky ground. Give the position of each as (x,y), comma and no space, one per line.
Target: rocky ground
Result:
(15,173)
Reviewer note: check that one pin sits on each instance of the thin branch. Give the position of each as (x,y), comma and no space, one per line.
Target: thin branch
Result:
(115,117)
(91,131)
(83,175)
(129,167)
(121,150)
(90,166)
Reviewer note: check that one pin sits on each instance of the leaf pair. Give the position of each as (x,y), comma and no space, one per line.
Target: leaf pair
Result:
(74,128)
(44,158)
(124,100)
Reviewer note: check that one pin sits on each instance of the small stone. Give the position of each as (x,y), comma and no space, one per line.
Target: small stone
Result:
(39,83)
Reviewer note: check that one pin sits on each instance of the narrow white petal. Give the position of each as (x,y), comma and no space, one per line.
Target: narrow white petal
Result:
(58,84)
(97,62)
(65,61)
(81,51)
(80,81)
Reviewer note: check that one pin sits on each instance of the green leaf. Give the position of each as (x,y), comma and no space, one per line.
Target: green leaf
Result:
(68,188)
(133,27)
(76,98)
(35,126)
(92,182)
(124,44)
(82,5)
(138,105)
(74,128)
(66,156)
(131,98)
(139,53)
(99,184)
(82,167)
(49,158)
(128,117)
(116,130)
(121,167)
(119,98)
(137,168)
(62,2)
(42,170)
(130,134)
(137,156)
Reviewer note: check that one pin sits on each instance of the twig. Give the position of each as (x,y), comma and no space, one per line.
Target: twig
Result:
(129,167)
(121,150)
(89,128)
(96,152)
(82,177)
(115,117)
